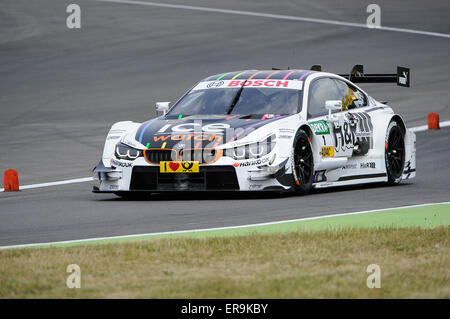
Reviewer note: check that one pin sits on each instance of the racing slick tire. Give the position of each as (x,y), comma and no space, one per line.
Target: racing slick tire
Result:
(394,154)
(303,163)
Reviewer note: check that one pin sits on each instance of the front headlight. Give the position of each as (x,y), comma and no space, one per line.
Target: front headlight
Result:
(125,152)
(253,150)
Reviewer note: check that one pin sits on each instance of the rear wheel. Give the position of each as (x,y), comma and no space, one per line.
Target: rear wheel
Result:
(394,153)
(303,168)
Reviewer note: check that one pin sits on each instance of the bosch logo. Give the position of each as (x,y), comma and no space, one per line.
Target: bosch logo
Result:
(215,84)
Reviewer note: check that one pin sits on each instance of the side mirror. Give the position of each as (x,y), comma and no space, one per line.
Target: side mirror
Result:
(162,107)
(333,105)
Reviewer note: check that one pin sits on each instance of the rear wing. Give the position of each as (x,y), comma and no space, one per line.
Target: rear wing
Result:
(402,77)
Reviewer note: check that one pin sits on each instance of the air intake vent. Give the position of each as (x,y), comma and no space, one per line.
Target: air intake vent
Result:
(157,155)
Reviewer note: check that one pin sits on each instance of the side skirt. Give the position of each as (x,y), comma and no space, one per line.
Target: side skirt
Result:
(354,180)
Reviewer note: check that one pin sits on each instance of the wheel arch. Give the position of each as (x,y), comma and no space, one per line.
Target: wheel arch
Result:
(307,129)
(397,118)
(303,128)
(315,144)
(381,123)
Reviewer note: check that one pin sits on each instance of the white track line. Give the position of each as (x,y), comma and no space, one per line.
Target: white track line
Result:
(219,228)
(425,127)
(68,181)
(88,179)
(275,16)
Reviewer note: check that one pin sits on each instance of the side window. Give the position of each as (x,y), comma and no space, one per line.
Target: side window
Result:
(320,91)
(351,97)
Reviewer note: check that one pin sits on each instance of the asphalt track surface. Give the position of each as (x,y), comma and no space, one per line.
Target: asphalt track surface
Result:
(61,89)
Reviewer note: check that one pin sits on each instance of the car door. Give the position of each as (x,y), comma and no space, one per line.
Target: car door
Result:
(357,130)
(334,132)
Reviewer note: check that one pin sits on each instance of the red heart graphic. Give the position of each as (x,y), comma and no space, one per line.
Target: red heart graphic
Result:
(174,166)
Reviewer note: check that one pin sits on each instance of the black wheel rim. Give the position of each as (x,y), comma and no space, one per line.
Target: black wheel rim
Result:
(303,161)
(396,152)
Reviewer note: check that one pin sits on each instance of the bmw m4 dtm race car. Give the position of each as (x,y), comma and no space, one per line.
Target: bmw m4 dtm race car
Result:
(263,130)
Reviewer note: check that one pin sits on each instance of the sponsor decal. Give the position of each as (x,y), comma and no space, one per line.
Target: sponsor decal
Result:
(357,129)
(120,164)
(368,165)
(286,130)
(179,167)
(215,84)
(113,187)
(286,136)
(188,137)
(320,127)
(350,166)
(255,186)
(256,83)
(327,151)
(112,137)
(363,134)
(403,76)
(252,163)
(266,83)
(402,79)
(217,128)
(408,170)
(319,176)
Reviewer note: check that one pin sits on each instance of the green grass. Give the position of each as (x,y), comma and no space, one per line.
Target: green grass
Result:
(298,264)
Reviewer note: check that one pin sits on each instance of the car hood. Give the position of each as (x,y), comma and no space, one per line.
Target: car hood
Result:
(199,131)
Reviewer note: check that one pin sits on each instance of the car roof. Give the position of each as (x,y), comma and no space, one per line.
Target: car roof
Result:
(295,74)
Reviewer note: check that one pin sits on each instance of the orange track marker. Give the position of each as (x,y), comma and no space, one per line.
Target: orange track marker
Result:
(11,181)
(433,121)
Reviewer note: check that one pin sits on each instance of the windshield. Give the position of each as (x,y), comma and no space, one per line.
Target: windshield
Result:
(251,100)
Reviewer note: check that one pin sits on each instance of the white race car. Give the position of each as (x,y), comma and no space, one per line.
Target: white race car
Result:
(263,130)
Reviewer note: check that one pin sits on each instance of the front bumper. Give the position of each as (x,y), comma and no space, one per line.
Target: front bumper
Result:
(147,178)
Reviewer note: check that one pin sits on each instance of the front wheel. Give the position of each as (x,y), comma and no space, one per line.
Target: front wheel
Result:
(303,163)
(394,153)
